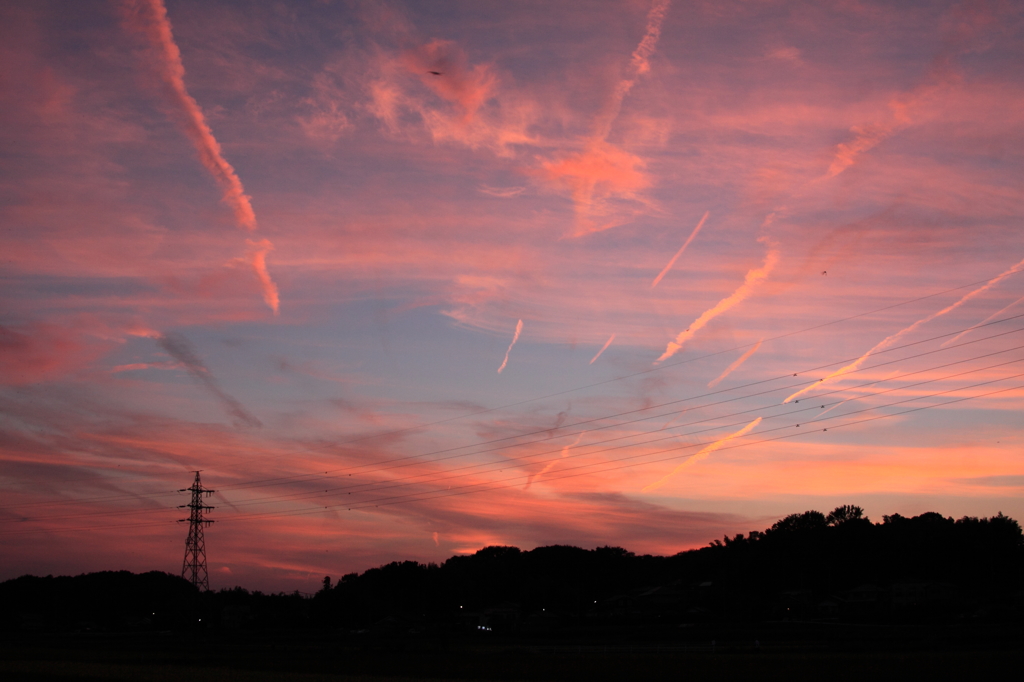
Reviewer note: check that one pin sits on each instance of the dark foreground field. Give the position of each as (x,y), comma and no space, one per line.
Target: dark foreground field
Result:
(790,651)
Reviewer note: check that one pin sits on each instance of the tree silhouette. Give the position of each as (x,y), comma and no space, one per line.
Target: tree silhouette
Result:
(844,513)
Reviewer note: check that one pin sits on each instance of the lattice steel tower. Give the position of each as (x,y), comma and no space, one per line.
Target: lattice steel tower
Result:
(193,568)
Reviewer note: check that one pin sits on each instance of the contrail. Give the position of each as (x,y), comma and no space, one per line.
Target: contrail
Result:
(603,348)
(178,347)
(734,366)
(680,251)
(639,61)
(753,278)
(987,319)
(600,162)
(843,402)
(547,467)
(889,340)
(149,18)
(515,337)
(704,452)
(259,264)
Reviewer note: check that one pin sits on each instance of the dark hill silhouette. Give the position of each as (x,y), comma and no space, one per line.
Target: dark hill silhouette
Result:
(838,567)
(109,600)
(900,568)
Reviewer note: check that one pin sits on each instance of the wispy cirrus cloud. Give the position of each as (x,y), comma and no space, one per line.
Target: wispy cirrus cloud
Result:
(603,173)
(179,348)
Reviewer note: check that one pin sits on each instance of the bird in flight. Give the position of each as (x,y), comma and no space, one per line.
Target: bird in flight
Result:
(824,272)
(436,73)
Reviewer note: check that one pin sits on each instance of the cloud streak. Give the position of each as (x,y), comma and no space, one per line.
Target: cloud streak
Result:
(889,340)
(735,365)
(550,465)
(178,347)
(603,171)
(702,454)
(639,63)
(515,337)
(985,321)
(258,261)
(754,277)
(680,251)
(603,349)
(148,18)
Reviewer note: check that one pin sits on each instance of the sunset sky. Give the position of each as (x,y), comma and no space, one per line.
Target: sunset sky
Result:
(406,279)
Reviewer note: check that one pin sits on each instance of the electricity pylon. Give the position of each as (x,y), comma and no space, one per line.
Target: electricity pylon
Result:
(193,568)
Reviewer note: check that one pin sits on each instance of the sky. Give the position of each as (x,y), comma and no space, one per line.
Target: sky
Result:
(407,279)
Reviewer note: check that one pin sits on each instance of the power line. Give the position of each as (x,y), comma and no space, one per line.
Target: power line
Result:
(663,366)
(725,426)
(364,504)
(306,495)
(392,483)
(383,501)
(283,480)
(448,493)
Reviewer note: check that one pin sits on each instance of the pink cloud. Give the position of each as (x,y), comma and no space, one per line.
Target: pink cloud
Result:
(42,351)
(600,173)
(443,68)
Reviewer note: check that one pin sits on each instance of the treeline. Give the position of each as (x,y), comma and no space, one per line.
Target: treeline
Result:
(923,566)
(808,566)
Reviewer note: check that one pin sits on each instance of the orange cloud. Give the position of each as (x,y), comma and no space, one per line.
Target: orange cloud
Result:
(600,172)
(259,266)
(148,18)
(735,365)
(703,453)
(603,171)
(680,251)
(750,282)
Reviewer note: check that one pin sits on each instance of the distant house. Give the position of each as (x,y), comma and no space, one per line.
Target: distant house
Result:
(864,600)
(916,595)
